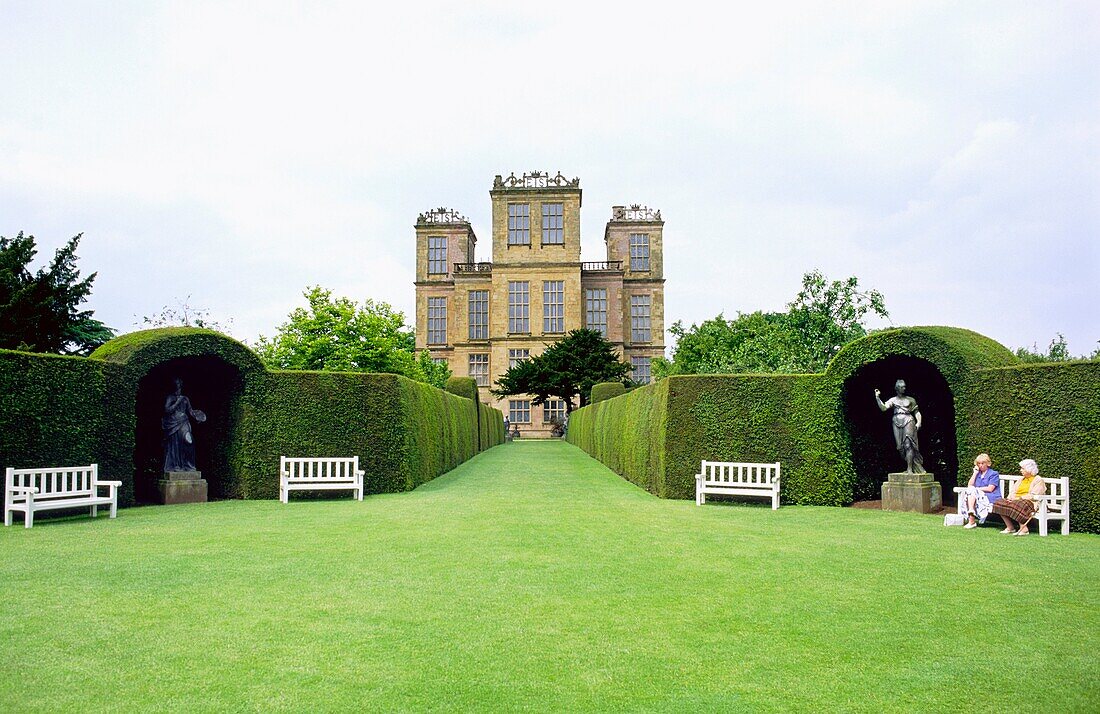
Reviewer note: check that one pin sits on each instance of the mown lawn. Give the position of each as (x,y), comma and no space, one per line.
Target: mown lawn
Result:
(534,578)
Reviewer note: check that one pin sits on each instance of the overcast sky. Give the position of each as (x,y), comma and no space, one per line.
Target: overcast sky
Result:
(230,155)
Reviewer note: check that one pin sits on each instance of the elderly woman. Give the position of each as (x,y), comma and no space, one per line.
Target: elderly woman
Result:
(984,488)
(1019,506)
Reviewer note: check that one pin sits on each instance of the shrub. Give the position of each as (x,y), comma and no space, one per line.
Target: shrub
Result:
(607,390)
(463,387)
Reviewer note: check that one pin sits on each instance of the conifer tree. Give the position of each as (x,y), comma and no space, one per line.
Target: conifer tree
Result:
(39,311)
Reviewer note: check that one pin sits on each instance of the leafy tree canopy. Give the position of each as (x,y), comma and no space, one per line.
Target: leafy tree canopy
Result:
(822,318)
(38,311)
(566,369)
(338,334)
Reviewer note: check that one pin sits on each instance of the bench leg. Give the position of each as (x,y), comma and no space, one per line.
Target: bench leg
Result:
(1065,526)
(775,501)
(7,516)
(93,511)
(28,520)
(114,508)
(359,494)
(283,495)
(1042,526)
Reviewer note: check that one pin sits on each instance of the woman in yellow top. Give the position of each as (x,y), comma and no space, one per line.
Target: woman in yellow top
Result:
(1019,506)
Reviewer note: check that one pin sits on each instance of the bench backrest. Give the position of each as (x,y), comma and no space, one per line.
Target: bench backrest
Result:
(1058,488)
(319,469)
(56,482)
(724,472)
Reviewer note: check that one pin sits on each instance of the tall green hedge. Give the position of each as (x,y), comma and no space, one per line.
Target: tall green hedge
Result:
(627,433)
(656,436)
(53,411)
(490,425)
(65,410)
(757,418)
(606,390)
(463,387)
(1047,412)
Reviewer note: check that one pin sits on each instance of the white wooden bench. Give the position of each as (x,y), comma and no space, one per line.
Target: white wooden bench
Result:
(724,478)
(313,474)
(1052,506)
(30,490)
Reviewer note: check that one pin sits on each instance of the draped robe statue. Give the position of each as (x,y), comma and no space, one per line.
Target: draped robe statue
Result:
(179,442)
(907,419)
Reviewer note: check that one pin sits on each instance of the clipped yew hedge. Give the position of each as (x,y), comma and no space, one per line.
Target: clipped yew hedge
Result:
(1047,412)
(68,410)
(606,390)
(757,418)
(463,387)
(53,412)
(490,425)
(627,434)
(655,436)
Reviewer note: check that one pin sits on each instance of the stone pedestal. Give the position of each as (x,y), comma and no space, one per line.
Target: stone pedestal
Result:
(182,487)
(919,493)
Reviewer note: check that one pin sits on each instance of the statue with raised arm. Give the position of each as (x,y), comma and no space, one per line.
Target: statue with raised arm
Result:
(179,442)
(907,420)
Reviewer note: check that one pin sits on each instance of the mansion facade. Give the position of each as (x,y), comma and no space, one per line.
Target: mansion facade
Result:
(481,318)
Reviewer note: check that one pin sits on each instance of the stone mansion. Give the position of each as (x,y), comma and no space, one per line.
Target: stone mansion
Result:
(481,318)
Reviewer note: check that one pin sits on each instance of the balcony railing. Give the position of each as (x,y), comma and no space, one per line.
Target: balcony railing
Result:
(604,266)
(473,267)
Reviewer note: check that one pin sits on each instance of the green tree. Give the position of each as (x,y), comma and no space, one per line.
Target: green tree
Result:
(566,369)
(752,342)
(38,311)
(825,316)
(822,318)
(338,334)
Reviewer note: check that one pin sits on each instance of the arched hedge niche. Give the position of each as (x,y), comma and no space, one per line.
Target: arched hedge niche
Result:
(873,452)
(213,387)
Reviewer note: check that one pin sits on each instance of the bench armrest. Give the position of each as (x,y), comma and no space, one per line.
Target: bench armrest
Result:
(23,489)
(959,489)
(361,472)
(116,484)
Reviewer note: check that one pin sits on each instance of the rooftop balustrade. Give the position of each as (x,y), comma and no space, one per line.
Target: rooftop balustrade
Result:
(441,216)
(536,179)
(635,213)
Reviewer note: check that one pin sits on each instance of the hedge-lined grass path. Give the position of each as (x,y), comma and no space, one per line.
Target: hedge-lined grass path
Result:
(531,577)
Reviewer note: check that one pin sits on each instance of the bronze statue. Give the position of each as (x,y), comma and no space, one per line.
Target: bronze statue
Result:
(179,443)
(907,421)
